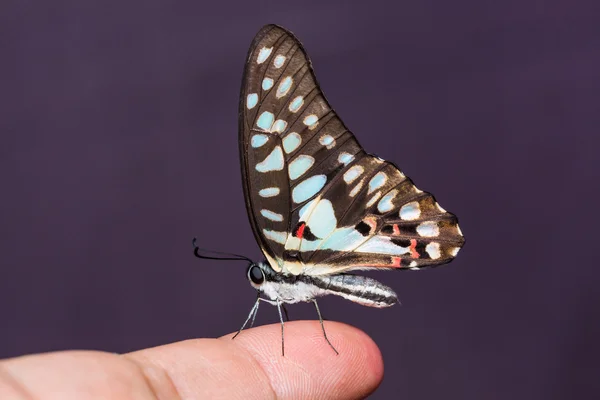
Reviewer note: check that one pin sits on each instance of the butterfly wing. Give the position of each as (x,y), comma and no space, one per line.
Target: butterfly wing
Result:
(317,203)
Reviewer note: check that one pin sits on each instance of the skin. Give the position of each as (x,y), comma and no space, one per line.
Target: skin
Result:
(249,367)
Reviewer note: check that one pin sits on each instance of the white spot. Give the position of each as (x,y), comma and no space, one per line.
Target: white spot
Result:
(267,83)
(279,60)
(327,141)
(454,251)
(311,121)
(433,249)
(353,173)
(308,188)
(251,100)
(410,211)
(322,219)
(275,236)
(440,207)
(279,126)
(268,192)
(291,142)
(385,204)
(258,140)
(263,54)
(458,230)
(377,181)
(296,104)
(345,158)
(284,87)
(357,188)
(382,245)
(373,199)
(299,166)
(428,229)
(265,121)
(273,162)
(271,215)
(413,265)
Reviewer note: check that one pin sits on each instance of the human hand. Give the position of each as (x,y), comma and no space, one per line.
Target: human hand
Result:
(249,367)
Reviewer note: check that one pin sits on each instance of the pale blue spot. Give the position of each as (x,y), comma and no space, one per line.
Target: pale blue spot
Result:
(410,211)
(268,192)
(375,197)
(265,121)
(308,188)
(299,166)
(284,87)
(267,83)
(291,142)
(382,245)
(353,173)
(322,220)
(273,162)
(296,104)
(251,100)
(279,126)
(279,60)
(271,215)
(258,140)
(326,140)
(263,54)
(385,204)
(305,208)
(428,229)
(275,236)
(345,158)
(311,120)
(377,181)
(307,245)
(343,239)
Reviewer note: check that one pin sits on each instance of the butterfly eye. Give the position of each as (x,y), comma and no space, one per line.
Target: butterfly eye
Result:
(256,275)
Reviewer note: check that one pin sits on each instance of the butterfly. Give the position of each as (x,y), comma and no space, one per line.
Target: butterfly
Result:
(319,205)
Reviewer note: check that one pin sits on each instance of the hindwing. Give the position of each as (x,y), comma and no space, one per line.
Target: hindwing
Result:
(317,203)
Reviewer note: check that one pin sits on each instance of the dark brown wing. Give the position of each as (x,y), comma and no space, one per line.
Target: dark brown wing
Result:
(318,204)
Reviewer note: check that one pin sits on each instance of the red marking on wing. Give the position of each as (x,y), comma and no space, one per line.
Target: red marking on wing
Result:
(413,250)
(372,222)
(300,230)
(396,262)
(396,230)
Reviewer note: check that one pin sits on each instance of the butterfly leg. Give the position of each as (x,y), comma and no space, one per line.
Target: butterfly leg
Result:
(281,319)
(323,326)
(287,317)
(252,315)
(255,310)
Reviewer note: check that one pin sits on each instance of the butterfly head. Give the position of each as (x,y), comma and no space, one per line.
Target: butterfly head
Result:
(258,274)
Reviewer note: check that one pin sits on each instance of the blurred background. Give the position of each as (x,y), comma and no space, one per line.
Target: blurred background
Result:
(118,144)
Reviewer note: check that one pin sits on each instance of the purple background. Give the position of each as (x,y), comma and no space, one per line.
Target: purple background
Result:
(119,144)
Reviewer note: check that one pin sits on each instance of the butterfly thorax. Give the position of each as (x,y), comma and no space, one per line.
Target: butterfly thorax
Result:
(289,288)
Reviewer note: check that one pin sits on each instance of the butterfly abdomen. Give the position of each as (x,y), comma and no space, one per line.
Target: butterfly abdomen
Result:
(359,289)
(304,288)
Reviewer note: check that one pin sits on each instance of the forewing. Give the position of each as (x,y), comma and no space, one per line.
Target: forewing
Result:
(317,203)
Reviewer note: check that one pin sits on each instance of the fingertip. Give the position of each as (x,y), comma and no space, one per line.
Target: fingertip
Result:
(310,368)
(252,366)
